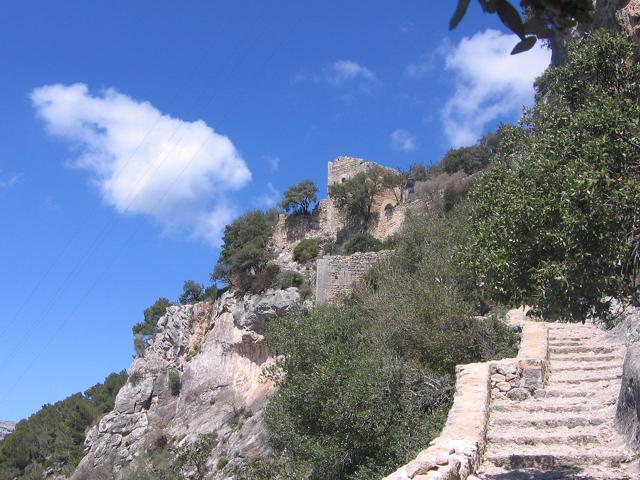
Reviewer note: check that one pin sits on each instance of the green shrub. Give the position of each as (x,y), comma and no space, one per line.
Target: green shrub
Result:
(222,462)
(553,220)
(175,384)
(144,330)
(289,278)
(344,406)
(362,242)
(265,278)
(194,456)
(244,251)
(306,250)
(192,292)
(135,378)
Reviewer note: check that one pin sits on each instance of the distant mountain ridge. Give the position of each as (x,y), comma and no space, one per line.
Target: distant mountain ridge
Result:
(6,428)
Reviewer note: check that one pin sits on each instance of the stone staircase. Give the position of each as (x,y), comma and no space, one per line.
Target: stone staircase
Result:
(566,429)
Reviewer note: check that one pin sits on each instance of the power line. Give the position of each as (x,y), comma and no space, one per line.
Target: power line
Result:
(115,257)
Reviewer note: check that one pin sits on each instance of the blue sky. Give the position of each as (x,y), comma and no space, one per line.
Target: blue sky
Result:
(131,132)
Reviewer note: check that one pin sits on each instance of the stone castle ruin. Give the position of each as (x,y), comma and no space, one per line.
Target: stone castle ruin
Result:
(333,275)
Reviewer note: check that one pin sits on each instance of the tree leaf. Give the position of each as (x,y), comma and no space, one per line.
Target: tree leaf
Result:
(461,9)
(525,44)
(488,6)
(510,17)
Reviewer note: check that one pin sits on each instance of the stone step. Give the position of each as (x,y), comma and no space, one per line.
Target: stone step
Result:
(552,456)
(565,343)
(556,407)
(576,378)
(491,472)
(526,437)
(545,420)
(568,366)
(593,391)
(594,348)
(575,357)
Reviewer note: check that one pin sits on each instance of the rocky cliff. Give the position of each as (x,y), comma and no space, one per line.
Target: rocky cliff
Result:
(200,377)
(618,15)
(6,428)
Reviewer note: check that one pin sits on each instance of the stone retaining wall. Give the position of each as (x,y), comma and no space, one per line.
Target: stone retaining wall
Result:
(457,452)
(335,275)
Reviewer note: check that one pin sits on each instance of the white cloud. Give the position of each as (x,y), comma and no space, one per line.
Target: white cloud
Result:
(490,83)
(146,162)
(403,141)
(270,198)
(344,71)
(272,162)
(8,181)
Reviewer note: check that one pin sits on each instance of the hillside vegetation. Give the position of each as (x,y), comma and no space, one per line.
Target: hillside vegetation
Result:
(51,440)
(552,222)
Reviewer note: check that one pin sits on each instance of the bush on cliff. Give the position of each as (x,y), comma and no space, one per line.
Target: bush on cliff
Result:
(306,250)
(552,223)
(53,438)
(362,242)
(245,248)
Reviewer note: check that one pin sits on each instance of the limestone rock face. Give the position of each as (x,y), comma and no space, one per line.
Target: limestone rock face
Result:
(629,20)
(218,353)
(617,15)
(6,428)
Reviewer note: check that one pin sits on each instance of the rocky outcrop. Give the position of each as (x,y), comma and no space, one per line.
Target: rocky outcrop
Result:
(201,374)
(6,428)
(628,408)
(617,15)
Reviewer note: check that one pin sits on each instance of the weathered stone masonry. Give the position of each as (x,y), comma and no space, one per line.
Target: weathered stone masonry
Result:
(335,275)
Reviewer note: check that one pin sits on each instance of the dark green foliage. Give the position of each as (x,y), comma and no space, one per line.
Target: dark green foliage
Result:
(299,197)
(192,292)
(454,193)
(144,330)
(362,242)
(307,249)
(342,407)
(470,159)
(222,462)
(355,196)
(553,221)
(289,278)
(364,386)
(194,456)
(175,384)
(543,17)
(270,469)
(53,437)
(151,317)
(211,293)
(265,278)
(244,251)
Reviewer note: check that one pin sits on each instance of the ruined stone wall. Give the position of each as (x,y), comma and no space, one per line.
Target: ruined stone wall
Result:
(385,206)
(290,229)
(335,275)
(390,221)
